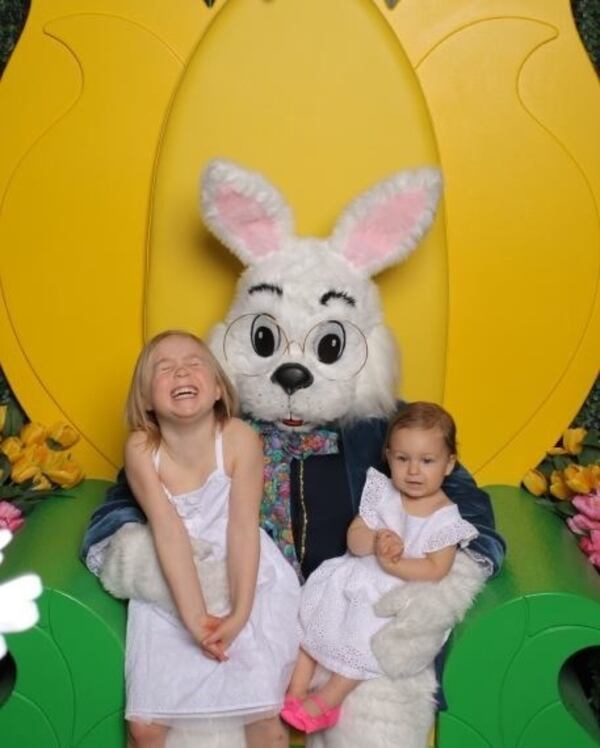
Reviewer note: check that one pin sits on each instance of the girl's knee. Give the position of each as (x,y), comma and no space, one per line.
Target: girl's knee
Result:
(146,733)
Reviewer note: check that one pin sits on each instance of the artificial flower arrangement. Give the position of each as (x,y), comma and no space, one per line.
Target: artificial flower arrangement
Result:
(34,463)
(568,482)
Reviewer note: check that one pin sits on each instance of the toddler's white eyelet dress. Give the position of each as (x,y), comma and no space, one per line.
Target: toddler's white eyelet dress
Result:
(337,619)
(169,680)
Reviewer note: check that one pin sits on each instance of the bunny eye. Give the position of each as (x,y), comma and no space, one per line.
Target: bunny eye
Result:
(265,336)
(330,343)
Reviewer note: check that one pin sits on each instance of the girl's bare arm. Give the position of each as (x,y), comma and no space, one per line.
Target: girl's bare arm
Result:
(432,568)
(360,538)
(168,531)
(242,529)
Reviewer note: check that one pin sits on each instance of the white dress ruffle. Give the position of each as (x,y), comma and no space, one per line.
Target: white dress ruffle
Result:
(337,619)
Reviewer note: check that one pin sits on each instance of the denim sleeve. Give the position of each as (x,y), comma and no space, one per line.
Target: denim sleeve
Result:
(119,507)
(475,506)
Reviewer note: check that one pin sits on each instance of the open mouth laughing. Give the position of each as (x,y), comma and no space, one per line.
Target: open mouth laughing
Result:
(184,392)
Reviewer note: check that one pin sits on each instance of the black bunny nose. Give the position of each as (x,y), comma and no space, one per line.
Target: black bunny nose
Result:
(292,377)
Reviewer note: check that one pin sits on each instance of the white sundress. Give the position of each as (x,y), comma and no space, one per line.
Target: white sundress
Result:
(169,680)
(337,619)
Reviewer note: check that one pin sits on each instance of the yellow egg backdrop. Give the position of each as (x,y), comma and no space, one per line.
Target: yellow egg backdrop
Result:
(110,109)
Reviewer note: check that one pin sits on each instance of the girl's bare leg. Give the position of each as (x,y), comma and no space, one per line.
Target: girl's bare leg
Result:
(302,675)
(267,733)
(146,735)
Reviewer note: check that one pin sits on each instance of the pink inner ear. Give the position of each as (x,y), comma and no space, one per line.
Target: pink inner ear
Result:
(383,230)
(245,219)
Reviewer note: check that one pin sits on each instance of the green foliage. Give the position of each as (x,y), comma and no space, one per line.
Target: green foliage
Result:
(12,19)
(587,18)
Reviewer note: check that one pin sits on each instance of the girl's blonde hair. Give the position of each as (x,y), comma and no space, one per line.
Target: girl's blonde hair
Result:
(425,416)
(141,418)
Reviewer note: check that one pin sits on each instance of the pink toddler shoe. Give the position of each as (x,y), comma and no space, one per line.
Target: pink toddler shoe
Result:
(295,714)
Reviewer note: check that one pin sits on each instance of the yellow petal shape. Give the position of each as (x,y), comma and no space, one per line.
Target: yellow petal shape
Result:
(558,488)
(573,440)
(535,482)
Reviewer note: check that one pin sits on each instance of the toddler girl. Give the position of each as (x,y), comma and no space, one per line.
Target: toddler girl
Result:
(196,471)
(407,529)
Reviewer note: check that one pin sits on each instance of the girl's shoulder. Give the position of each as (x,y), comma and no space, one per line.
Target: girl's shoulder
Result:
(137,442)
(240,443)
(235,430)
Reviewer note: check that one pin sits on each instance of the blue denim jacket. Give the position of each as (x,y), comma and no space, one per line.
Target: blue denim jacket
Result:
(362,443)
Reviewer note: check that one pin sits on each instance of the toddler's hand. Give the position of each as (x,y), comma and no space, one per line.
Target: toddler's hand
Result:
(389,546)
(206,627)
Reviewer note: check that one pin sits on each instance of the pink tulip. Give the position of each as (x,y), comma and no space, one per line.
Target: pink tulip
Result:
(580,524)
(590,545)
(573,526)
(10,517)
(588,505)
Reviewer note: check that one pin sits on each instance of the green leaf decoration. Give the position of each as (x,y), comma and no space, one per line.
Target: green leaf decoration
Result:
(565,509)
(561,508)
(5,468)
(592,438)
(560,462)
(209,3)
(589,455)
(546,467)
(15,420)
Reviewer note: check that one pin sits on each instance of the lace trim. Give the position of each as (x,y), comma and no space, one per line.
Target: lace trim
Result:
(460,532)
(482,561)
(375,489)
(95,557)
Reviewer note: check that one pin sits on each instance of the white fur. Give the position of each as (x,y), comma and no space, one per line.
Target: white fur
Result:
(255,193)
(131,570)
(305,269)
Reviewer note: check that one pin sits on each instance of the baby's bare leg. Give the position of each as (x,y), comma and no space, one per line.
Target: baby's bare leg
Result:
(302,675)
(266,733)
(332,693)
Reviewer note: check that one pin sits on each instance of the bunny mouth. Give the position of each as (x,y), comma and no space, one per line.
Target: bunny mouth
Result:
(293,422)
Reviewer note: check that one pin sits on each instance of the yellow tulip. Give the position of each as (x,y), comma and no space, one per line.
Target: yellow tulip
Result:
(578,479)
(23,470)
(41,483)
(12,448)
(593,472)
(37,453)
(573,440)
(557,451)
(558,488)
(33,433)
(535,482)
(3,409)
(64,472)
(63,434)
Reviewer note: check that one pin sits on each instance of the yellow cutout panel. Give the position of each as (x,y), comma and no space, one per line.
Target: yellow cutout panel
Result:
(83,99)
(322,99)
(516,110)
(280,88)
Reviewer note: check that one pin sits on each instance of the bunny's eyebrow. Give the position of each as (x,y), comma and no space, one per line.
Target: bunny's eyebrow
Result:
(342,295)
(266,287)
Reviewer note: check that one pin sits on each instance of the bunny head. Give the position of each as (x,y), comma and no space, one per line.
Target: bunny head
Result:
(304,340)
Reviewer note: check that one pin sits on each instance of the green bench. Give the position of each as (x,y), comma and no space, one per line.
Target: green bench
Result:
(507,679)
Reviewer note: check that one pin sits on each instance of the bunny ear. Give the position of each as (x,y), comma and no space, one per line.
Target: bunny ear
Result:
(244,211)
(384,225)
